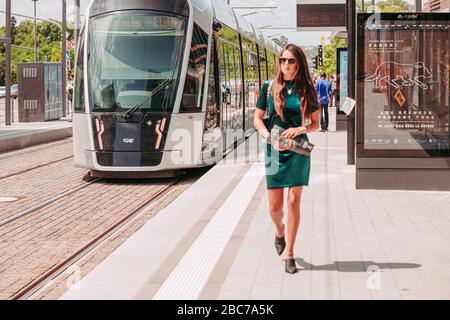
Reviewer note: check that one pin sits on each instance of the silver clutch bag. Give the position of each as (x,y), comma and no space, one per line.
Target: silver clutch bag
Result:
(299,144)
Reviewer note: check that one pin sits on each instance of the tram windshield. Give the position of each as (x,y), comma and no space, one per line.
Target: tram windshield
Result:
(130,54)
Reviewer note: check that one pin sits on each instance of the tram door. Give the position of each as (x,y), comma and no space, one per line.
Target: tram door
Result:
(213,117)
(225,91)
(212,137)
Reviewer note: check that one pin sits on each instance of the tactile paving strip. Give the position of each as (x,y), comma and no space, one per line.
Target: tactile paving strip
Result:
(191,274)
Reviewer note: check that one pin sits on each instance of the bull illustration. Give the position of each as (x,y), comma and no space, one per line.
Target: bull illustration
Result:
(410,74)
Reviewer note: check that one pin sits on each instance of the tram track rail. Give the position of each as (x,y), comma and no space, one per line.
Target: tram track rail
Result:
(34,168)
(28,291)
(27,151)
(60,148)
(45,203)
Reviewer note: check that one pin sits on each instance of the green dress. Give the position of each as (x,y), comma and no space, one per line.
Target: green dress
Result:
(285,168)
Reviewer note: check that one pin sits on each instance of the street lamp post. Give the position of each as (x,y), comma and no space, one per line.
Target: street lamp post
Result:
(418,5)
(351,21)
(8,64)
(63,56)
(77,22)
(35,33)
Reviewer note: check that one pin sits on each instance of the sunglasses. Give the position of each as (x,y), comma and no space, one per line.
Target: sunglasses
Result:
(290,60)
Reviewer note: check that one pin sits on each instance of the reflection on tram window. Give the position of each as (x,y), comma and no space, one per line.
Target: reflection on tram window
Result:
(251,76)
(195,76)
(263,64)
(212,109)
(231,78)
(237,77)
(79,105)
(124,66)
(271,62)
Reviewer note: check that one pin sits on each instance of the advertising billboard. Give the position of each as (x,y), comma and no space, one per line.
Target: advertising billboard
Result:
(341,76)
(403,85)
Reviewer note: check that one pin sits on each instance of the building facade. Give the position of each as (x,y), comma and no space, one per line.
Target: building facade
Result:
(436,6)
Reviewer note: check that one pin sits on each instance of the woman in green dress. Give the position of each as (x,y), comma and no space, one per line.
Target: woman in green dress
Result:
(289,98)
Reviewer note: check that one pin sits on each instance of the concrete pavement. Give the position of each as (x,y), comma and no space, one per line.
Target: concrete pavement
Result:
(352,244)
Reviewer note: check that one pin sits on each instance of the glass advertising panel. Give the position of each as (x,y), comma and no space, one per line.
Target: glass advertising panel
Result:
(53,91)
(403,85)
(341,76)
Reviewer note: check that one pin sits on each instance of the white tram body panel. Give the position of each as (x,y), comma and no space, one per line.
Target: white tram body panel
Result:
(147,96)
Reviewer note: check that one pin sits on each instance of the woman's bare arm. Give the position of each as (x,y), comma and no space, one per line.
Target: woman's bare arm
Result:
(259,124)
(315,122)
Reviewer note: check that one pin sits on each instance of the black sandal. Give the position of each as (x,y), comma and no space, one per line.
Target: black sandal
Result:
(280,244)
(290,266)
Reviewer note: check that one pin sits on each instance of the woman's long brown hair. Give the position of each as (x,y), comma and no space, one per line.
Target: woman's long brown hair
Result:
(303,84)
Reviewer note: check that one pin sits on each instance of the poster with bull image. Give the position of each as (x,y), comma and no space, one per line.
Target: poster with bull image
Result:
(403,66)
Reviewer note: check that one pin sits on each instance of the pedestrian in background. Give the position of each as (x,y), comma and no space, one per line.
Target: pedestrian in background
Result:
(289,98)
(323,88)
(69,91)
(333,92)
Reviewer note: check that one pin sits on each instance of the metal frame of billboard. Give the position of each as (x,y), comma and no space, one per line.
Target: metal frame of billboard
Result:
(320,3)
(406,52)
(402,22)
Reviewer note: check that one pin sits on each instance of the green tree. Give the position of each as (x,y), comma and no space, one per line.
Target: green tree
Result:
(2,69)
(393,6)
(48,32)
(385,6)
(48,42)
(329,55)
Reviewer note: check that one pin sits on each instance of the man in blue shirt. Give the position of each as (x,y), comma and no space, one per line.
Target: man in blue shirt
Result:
(323,88)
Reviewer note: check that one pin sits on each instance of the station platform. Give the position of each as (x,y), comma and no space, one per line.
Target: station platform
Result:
(26,134)
(216,240)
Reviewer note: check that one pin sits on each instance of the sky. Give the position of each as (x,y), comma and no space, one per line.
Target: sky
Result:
(283,16)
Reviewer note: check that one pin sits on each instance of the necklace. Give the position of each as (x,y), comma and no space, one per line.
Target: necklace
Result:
(289,90)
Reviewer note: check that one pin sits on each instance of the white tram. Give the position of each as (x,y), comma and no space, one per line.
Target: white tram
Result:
(164,85)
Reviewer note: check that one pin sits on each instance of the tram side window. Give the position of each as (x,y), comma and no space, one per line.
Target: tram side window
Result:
(251,78)
(237,80)
(273,60)
(251,65)
(79,82)
(195,75)
(211,101)
(263,65)
(225,85)
(212,116)
(230,66)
